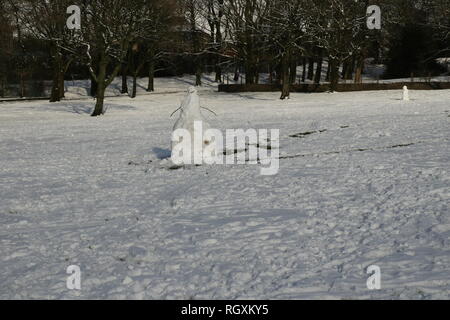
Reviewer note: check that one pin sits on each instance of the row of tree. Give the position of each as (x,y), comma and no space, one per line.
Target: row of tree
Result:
(129,38)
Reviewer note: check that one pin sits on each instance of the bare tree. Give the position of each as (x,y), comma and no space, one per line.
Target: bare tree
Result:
(285,30)
(46,21)
(439,20)
(212,11)
(340,26)
(158,36)
(109,29)
(194,25)
(245,23)
(6,45)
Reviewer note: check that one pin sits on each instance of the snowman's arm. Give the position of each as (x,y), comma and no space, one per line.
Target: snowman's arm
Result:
(209,111)
(175,112)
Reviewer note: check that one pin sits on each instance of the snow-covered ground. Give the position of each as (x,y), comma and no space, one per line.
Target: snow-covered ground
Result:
(369,186)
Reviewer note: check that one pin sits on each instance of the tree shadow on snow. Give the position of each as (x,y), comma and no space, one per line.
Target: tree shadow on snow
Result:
(77,108)
(162,154)
(82,109)
(249,97)
(87,109)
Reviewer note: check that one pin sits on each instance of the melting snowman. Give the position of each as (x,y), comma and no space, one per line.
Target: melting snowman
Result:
(192,121)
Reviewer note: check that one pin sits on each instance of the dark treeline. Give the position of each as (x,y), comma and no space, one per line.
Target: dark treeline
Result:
(241,38)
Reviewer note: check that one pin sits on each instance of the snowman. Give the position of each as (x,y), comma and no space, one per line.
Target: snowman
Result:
(405,93)
(192,120)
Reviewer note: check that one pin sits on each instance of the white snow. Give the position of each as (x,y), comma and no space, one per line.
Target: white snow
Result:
(364,180)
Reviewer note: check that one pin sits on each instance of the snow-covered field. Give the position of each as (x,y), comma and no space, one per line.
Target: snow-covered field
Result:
(369,186)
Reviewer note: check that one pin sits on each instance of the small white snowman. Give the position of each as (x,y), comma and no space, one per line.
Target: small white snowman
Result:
(405,93)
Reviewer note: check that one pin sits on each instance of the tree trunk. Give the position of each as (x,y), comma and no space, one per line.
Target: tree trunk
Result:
(93,89)
(198,74)
(348,75)
(98,110)
(344,69)
(55,94)
(319,70)
(359,69)
(311,69)
(218,72)
(249,58)
(57,66)
(327,79)
(219,39)
(62,87)
(293,71)
(124,79)
(151,76)
(22,85)
(249,75)
(196,46)
(279,74)
(218,68)
(101,87)
(286,87)
(304,70)
(3,86)
(134,92)
(334,74)
(270,73)
(236,74)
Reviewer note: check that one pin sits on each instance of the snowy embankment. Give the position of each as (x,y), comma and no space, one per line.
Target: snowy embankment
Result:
(364,179)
